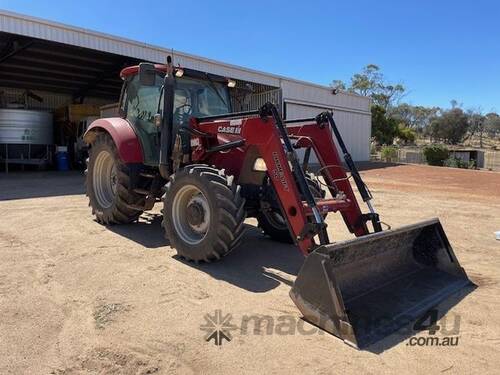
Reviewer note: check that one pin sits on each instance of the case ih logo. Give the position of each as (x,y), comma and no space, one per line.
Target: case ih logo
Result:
(233,128)
(278,173)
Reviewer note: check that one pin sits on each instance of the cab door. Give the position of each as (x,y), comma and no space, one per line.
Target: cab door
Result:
(140,104)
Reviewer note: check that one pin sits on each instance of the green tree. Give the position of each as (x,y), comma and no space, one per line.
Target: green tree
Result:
(404,112)
(424,116)
(406,135)
(368,81)
(450,127)
(477,124)
(389,153)
(436,154)
(492,124)
(414,117)
(338,84)
(384,128)
(371,82)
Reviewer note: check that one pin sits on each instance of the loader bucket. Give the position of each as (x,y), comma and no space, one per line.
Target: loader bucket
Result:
(364,289)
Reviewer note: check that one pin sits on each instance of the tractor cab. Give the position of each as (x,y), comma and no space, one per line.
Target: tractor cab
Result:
(192,94)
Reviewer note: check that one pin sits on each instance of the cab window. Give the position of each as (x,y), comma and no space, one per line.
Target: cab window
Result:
(141,105)
(142,101)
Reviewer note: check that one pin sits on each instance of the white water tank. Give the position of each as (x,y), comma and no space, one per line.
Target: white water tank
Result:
(21,126)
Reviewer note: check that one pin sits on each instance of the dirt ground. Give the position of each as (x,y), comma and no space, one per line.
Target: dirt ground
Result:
(77,297)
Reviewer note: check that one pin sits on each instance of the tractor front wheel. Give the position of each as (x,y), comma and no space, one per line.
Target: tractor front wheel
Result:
(273,222)
(203,213)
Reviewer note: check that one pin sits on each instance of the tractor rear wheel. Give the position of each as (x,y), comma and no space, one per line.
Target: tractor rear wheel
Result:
(108,184)
(203,213)
(273,223)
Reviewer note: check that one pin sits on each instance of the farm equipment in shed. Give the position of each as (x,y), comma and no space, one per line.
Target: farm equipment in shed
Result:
(178,141)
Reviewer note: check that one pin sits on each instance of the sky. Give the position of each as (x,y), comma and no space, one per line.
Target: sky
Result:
(440,50)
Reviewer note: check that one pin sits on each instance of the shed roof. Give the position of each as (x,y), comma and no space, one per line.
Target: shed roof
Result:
(92,47)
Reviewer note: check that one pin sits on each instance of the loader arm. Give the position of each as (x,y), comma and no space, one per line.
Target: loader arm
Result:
(265,130)
(319,138)
(263,134)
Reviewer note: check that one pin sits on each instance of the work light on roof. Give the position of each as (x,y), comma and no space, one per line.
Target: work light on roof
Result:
(179,72)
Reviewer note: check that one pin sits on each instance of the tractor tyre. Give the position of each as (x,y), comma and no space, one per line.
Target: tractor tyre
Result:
(273,223)
(108,184)
(203,213)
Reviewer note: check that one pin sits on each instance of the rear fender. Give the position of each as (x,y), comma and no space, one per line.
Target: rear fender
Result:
(124,137)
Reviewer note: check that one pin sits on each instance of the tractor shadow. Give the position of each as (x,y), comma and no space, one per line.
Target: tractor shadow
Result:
(146,232)
(258,265)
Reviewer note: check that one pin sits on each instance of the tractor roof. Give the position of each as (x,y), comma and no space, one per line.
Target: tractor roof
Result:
(132,70)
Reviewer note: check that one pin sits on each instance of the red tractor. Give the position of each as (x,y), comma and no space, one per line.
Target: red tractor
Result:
(178,141)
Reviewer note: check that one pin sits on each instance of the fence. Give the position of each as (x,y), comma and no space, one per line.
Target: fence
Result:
(416,156)
(256,100)
(492,160)
(411,156)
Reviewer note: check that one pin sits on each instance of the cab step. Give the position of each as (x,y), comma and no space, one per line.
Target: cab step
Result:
(142,191)
(147,175)
(135,207)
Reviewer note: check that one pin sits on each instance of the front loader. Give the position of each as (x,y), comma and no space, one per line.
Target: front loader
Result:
(178,141)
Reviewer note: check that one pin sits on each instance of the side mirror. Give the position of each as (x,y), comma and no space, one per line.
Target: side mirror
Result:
(147,74)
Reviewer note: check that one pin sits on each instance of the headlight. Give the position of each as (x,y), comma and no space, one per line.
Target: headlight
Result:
(259,165)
